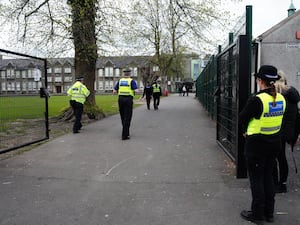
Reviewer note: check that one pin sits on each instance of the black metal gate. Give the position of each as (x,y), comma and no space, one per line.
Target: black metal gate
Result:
(233,72)
(23,103)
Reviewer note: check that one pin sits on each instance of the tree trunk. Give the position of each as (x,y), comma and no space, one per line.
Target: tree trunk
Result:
(83,28)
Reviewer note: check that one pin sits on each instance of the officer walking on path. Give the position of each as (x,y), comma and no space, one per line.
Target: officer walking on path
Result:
(126,88)
(78,92)
(261,121)
(148,91)
(156,94)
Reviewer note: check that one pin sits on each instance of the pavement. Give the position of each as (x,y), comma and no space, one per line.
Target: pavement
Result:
(171,172)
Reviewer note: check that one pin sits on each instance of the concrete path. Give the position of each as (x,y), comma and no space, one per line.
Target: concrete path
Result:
(171,172)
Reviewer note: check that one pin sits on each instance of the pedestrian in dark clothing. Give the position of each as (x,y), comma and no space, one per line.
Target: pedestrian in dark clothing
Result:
(180,90)
(260,122)
(288,131)
(148,91)
(78,92)
(126,88)
(156,95)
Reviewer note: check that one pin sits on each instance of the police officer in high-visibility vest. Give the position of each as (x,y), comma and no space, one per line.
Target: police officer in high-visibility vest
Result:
(156,89)
(260,122)
(78,92)
(126,88)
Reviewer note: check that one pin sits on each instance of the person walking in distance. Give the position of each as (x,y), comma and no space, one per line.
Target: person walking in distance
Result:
(260,122)
(288,131)
(126,88)
(156,94)
(148,90)
(78,92)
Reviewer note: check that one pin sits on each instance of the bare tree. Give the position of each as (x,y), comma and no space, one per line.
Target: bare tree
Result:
(171,27)
(71,26)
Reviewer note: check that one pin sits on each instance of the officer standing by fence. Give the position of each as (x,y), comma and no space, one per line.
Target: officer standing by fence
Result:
(261,121)
(126,88)
(78,92)
(156,94)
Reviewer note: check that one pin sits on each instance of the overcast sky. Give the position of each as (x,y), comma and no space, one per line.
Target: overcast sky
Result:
(266,13)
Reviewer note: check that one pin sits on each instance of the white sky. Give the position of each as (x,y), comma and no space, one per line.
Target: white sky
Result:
(265,13)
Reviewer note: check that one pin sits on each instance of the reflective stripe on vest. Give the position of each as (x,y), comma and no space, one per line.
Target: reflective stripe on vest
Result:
(125,87)
(271,118)
(156,88)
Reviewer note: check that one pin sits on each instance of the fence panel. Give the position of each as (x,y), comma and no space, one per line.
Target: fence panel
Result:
(23,111)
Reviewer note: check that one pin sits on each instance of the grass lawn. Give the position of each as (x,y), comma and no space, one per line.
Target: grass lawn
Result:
(32,107)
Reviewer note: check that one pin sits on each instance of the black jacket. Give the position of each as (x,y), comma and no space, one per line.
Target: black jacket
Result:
(288,131)
(148,90)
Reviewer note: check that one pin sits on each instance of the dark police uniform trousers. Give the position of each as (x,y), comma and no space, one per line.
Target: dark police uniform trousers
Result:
(260,157)
(125,108)
(78,110)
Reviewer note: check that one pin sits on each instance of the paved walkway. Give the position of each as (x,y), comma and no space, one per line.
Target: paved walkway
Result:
(171,172)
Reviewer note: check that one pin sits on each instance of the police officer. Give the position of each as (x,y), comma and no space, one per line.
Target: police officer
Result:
(126,88)
(261,121)
(156,94)
(148,90)
(78,92)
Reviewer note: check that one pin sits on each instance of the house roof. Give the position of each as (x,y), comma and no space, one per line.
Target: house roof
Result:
(20,63)
(117,62)
(123,61)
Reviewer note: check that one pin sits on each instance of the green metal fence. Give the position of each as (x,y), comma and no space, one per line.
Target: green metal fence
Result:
(206,85)
(223,89)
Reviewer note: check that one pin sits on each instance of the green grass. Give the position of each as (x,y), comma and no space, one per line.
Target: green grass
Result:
(32,107)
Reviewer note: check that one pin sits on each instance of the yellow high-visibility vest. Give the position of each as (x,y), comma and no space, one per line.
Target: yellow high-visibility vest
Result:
(125,87)
(78,92)
(156,88)
(271,118)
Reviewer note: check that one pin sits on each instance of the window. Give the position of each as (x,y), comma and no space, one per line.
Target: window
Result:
(57,69)
(135,72)
(106,85)
(24,74)
(18,73)
(100,85)
(117,72)
(100,72)
(67,70)
(68,79)
(111,85)
(24,86)
(10,73)
(49,79)
(109,71)
(49,70)
(3,86)
(57,79)
(10,86)
(18,86)
(3,74)
(30,75)
(30,86)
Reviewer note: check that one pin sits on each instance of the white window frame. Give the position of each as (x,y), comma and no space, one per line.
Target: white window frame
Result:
(100,72)
(67,70)
(109,71)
